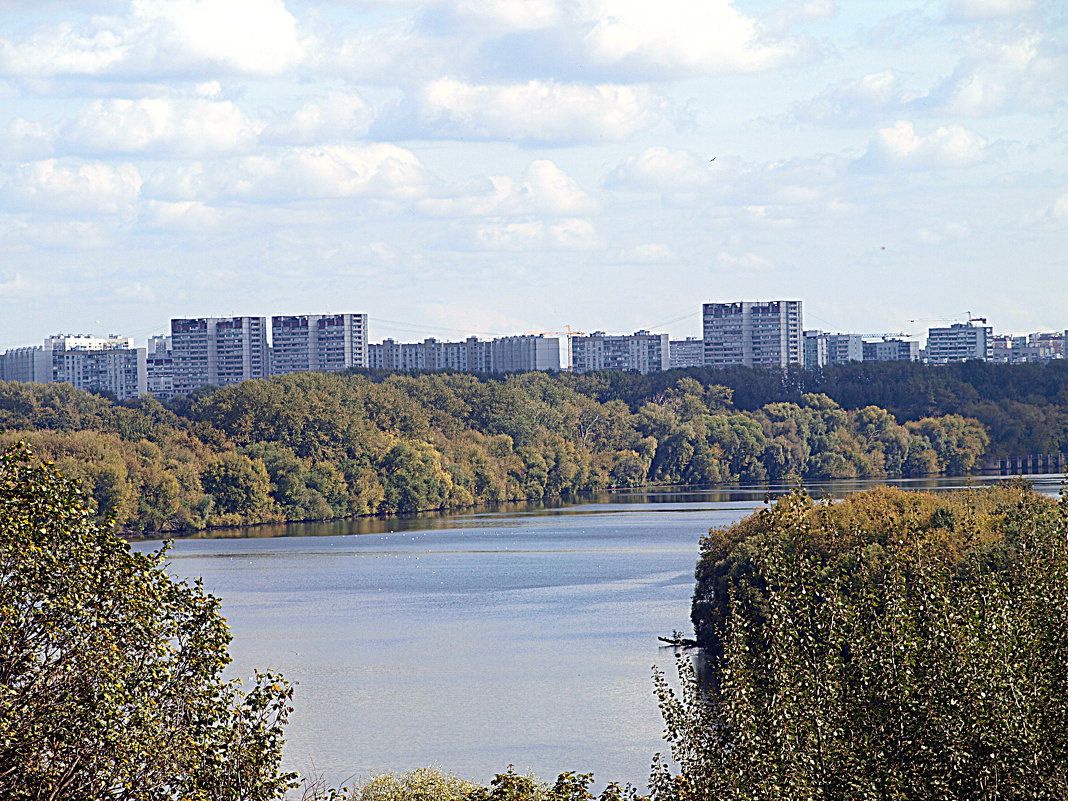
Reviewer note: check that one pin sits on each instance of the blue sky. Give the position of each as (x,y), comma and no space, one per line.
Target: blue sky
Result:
(501,166)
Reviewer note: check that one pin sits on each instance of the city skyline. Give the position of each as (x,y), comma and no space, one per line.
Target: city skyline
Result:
(457,167)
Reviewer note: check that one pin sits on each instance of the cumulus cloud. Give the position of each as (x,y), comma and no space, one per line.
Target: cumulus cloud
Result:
(900,148)
(855,101)
(299,173)
(639,40)
(542,112)
(185,215)
(987,9)
(160,127)
(999,73)
(660,169)
(786,16)
(79,188)
(162,37)
(544,190)
(23,140)
(338,116)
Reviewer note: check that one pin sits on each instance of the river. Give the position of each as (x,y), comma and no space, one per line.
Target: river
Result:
(524,635)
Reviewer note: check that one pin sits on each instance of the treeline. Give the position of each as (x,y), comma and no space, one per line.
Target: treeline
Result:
(314,446)
(1024,407)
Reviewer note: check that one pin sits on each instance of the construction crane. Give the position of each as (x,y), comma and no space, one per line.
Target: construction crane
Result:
(885,335)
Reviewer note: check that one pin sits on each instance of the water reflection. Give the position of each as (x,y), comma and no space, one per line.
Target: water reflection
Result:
(650,500)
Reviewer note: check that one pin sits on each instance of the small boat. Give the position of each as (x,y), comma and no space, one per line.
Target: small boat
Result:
(679,641)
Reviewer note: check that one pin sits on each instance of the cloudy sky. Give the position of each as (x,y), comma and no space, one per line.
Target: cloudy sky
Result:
(500,166)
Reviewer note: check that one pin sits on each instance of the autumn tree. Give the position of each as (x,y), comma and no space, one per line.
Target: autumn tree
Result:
(111,671)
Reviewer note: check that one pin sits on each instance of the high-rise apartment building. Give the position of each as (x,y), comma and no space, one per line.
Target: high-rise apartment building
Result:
(822,349)
(640,351)
(217,351)
(689,352)
(503,355)
(328,342)
(753,334)
(524,354)
(889,349)
(960,342)
(95,364)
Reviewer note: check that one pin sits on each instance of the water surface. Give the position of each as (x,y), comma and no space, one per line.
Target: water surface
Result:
(522,635)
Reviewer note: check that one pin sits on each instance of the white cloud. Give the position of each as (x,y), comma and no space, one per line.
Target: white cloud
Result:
(163,37)
(659,169)
(89,187)
(300,173)
(544,190)
(537,235)
(339,116)
(184,215)
(945,232)
(742,262)
(855,101)
(1021,71)
(793,12)
(677,36)
(901,148)
(160,127)
(22,140)
(987,9)
(538,111)
(637,40)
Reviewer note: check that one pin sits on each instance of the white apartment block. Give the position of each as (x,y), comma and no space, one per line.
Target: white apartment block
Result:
(217,351)
(95,364)
(689,352)
(326,342)
(959,342)
(640,351)
(822,349)
(753,334)
(502,355)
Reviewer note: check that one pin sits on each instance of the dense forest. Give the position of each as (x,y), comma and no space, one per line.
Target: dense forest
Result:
(313,446)
(892,645)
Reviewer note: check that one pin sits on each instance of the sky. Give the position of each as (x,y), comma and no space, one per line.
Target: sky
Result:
(488,167)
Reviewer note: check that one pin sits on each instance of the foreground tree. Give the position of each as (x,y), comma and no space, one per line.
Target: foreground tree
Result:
(891,646)
(111,681)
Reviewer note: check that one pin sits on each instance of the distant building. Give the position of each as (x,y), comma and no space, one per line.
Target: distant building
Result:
(217,351)
(1039,347)
(889,349)
(960,342)
(640,351)
(502,355)
(753,334)
(822,349)
(525,353)
(160,367)
(109,365)
(327,342)
(689,352)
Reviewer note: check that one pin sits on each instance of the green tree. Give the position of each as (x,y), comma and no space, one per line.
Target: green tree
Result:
(111,681)
(891,646)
